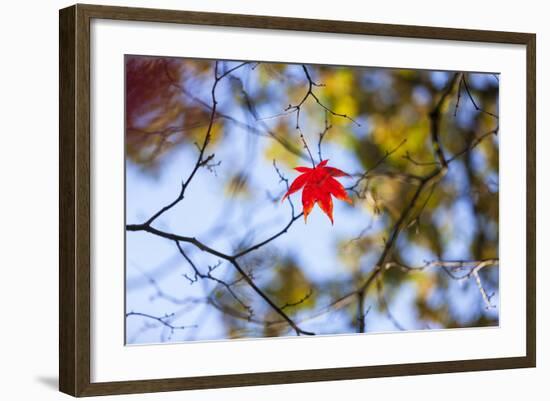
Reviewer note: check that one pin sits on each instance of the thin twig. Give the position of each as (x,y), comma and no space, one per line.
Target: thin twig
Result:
(282,178)
(306,147)
(290,109)
(202,148)
(367,174)
(299,302)
(209,276)
(162,320)
(473,101)
(322,136)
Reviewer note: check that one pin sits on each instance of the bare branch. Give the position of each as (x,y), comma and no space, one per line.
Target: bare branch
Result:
(465,83)
(322,136)
(486,298)
(430,179)
(305,146)
(201,160)
(164,320)
(449,267)
(454,265)
(369,173)
(268,240)
(291,323)
(408,157)
(458,93)
(474,143)
(361,313)
(310,93)
(229,258)
(299,302)
(416,219)
(282,178)
(209,276)
(253,129)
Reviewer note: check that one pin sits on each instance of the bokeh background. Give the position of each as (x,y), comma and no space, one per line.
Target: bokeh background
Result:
(234,201)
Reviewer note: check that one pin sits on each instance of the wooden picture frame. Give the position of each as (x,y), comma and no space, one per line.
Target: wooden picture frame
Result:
(75,203)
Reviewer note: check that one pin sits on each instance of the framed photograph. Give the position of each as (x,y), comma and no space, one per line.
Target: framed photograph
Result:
(250,200)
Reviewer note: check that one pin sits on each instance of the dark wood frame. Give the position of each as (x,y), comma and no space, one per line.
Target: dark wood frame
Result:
(74,199)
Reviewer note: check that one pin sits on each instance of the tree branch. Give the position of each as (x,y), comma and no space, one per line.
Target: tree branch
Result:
(162,320)
(476,106)
(209,276)
(229,258)
(298,302)
(256,131)
(202,148)
(369,173)
(202,161)
(430,179)
(310,93)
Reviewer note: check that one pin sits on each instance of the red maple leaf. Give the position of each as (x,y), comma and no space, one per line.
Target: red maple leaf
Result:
(318,187)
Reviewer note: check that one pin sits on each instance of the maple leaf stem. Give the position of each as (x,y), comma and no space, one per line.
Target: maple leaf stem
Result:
(322,136)
(306,147)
